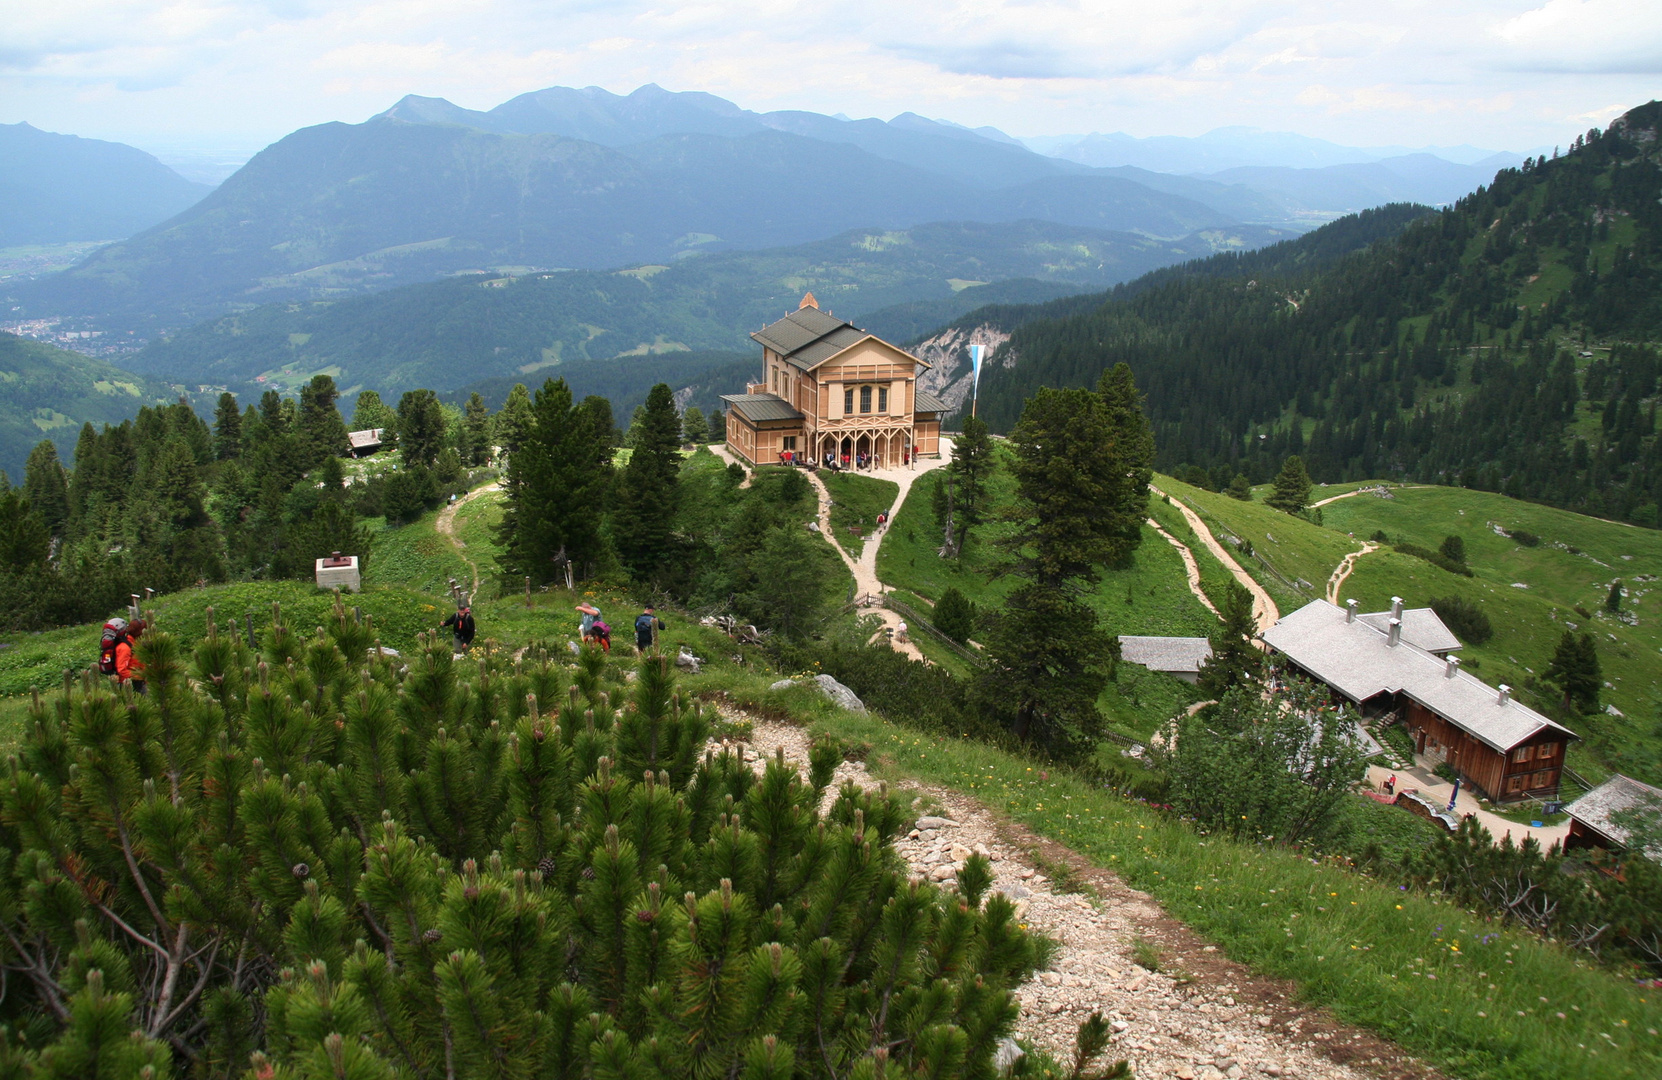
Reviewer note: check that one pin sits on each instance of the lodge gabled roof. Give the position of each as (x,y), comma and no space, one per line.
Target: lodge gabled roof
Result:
(808,337)
(1357,659)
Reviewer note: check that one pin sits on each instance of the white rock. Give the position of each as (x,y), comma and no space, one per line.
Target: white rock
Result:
(1184,1072)
(943,872)
(1056,1007)
(1050,978)
(932,822)
(1006,1056)
(1120,1027)
(960,853)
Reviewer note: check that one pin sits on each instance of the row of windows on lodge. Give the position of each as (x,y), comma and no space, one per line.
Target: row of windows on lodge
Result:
(848,396)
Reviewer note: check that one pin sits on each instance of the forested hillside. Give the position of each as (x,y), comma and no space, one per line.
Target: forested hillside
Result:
(449,334)
(47,392)
(1504,343)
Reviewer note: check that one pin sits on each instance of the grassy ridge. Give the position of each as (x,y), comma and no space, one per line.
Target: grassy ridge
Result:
(1460,990)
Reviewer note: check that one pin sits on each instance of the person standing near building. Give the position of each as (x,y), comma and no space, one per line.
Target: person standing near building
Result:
(647,625)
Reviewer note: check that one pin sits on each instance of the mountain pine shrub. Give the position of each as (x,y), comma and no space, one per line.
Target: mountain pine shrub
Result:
(321,859)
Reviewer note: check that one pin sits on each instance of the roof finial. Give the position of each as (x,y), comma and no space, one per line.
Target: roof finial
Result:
(808,301)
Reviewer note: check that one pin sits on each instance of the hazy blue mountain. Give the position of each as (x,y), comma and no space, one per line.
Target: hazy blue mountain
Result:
(57,189)
(1221,148)
(451,334)
(1420,178)
(50,393)
(342,208)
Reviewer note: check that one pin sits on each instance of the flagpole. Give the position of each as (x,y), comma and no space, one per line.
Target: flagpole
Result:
(975,387)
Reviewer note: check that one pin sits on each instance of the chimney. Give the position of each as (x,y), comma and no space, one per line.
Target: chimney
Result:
(1350,610)
(1396,633)
(1505,694)
(1452,668)
(1396,607)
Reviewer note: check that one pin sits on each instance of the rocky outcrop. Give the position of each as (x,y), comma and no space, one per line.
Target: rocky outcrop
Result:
(831,688)
(947,353)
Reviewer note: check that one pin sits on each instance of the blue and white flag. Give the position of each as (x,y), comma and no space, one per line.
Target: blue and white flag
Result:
(975,365)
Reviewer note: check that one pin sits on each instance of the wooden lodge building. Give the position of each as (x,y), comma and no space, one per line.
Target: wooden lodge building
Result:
(1591,816)
(830,389)
(1398,662)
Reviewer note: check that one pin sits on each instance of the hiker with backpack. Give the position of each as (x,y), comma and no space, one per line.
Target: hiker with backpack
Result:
(461,628)
(115,653)
(601,634)
(647,625)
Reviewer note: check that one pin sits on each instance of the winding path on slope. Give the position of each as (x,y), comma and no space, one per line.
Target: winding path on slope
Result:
(445,525)
(1346,565)
(1190,567)
(864,568)
(1264,612)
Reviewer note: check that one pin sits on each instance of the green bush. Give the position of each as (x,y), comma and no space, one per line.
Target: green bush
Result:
(1435,558)
(356,865)
(954,615)
(1465,617)
(1524,537)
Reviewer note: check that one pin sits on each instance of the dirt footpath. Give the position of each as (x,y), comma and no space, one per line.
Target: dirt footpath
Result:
(1198,1017)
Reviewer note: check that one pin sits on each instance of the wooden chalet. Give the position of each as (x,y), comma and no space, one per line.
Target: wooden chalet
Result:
(1590,816)
(1391,663)
(831,390)
(364,443)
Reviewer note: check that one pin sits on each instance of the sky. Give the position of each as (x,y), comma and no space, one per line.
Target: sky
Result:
(230,76)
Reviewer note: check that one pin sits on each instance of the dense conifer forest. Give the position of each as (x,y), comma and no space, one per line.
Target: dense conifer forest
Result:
(1505,343)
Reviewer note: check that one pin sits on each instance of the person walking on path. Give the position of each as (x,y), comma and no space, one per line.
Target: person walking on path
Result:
(900,632)
(461,628)
(647,625)
(591,615)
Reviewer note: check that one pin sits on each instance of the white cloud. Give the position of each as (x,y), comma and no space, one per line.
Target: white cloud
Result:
(1502,73)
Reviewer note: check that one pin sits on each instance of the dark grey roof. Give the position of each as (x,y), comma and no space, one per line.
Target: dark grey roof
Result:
(759,408)
(365,438)
(924,401)
(1617,793)
(1165,653)
(1357,660)
(1420,626)
(797,330)
(817,352)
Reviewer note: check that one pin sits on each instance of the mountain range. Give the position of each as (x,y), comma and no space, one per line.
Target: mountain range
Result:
(57,189)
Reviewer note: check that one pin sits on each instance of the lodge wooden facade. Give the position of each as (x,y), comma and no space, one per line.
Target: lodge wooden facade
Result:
(829,390)
(1496,744)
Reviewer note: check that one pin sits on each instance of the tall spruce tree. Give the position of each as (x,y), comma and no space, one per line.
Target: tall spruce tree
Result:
(1234,660)
(515,419)
(371,412)
(1292,487)
(320,423)
(421,427)
(693,428)
(476,432)
(46,487)
(971,466)
(788,582)
(25,540)
(646,499)
(1576,672)
(556,485)
(227,428)
(1082,468)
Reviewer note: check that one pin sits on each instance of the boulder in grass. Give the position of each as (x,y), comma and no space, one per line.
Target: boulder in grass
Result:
(831,688)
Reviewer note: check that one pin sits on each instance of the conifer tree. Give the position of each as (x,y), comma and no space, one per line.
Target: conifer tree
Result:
(693,428)
(319,421)
(954,615)
(476,432)
(645,503)
(1292,487)
(1235,661)
(971,467)
(24,539)
(515,419)
(46,487)
(789,580)
(555,486)
(716,426)
(1576,672)
(420,424)
(227,428)
(371,412)
(1048,661)
(1612,602)
(1240,488)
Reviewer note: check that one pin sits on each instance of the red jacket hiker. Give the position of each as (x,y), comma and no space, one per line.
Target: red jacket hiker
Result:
(128,668)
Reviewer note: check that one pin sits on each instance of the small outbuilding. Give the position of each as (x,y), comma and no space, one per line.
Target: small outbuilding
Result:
(1177,656)
(366,442)
(1590,816)
(337,571)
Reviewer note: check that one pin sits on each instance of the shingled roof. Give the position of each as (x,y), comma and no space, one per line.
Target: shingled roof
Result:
(801,328)
(760,408)
(1357,659)
(1614,795)
(924,401)
(1165,653)
(1420,626)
